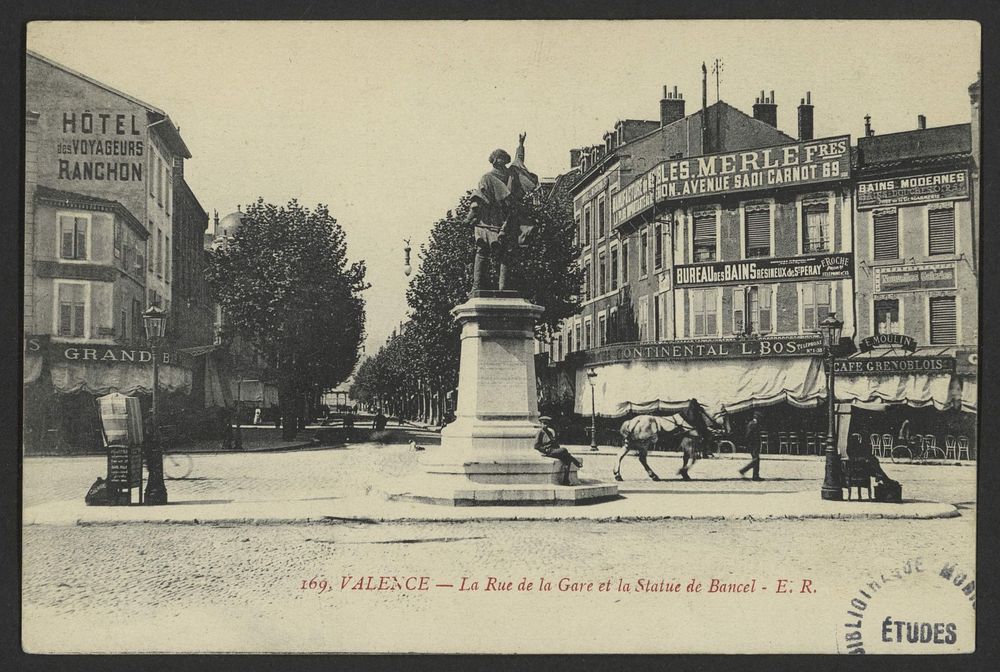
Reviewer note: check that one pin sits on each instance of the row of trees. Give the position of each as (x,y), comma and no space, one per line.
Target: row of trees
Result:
(285,286)
(413,372)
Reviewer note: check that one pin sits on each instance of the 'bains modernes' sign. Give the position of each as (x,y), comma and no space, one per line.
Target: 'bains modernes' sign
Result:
(793,164)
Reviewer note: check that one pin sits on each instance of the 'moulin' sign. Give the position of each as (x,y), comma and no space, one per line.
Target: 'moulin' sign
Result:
(812,162)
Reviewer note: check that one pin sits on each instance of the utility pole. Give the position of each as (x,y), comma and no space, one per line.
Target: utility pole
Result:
(717,69)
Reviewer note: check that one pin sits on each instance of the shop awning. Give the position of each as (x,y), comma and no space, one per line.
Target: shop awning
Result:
(255,392)
(925,377)
(101,378)
(645,387)
(32,368)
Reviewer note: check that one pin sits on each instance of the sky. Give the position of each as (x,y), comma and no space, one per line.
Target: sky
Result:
(389,123)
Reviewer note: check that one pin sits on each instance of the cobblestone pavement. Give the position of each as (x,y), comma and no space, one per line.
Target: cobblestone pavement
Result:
(240,588)
(355,469)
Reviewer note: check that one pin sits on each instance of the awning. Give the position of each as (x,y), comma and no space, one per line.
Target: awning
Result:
(102,378)
(931,382)
(199,350)
(914,389)
(255,392)
(32,368)
(645,386)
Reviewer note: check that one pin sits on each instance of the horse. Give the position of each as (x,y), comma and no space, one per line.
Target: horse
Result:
(689,427)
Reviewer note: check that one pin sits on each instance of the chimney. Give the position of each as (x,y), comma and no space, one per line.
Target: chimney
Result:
(765,109)
(574,157)
(671,106)
(921,122)
(806,117)
(868,126)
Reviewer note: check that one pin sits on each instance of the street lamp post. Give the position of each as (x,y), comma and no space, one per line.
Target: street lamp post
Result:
(830,329)
(591,375)
(155,322)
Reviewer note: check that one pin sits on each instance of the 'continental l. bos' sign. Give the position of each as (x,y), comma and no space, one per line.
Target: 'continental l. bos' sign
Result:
(748,348)
(787,269)
(823,160)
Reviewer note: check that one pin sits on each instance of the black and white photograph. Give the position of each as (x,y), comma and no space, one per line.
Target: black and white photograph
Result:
(497,337)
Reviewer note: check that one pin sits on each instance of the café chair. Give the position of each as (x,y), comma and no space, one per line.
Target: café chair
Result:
(765,447)
(876,442)
(963,447)
(950,447)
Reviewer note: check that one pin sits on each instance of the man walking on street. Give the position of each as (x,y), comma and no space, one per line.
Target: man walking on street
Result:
(547,444)
(751,438)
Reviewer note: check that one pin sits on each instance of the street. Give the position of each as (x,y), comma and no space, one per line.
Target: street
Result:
(225,587)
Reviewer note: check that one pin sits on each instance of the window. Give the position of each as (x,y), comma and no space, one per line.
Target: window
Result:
(159,253)
(614,268)
(816,231)
(624,262)
(72,309)
(885,225)
(704,312)
(887,317)
(73,233)
(602,273)
(159,181)
(704,248)
(149,174)
(815,304)
(657,317)
(941,230)
(757,222)
(643,320)
(166,254)
(643,253)
(586,279)
(137,327)
(753,303)
(601,220)
(569,341)
(579,343)
(579,232)
(118,239)
(586,225)
(152,259)
(944,327)
(602,330)
(170,191)
(140,257)
(587,333)
(657,246)
(124,324)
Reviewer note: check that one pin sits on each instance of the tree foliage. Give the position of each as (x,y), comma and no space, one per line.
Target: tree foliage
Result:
(284,284)
(428,349)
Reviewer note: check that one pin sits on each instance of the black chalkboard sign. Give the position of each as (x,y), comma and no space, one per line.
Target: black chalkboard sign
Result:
(124,466)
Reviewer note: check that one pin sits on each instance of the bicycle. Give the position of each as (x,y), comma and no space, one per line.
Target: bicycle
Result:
(176,466)
(904,453)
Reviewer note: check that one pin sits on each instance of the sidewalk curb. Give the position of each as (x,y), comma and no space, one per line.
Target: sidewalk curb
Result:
(361,509)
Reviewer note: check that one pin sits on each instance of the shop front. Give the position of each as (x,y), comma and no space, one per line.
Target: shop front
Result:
(888,384)
(62,381)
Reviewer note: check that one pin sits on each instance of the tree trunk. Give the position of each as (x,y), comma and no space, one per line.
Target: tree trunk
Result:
(287,402)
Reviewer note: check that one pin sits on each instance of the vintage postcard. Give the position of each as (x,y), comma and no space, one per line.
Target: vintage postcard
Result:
(501,337)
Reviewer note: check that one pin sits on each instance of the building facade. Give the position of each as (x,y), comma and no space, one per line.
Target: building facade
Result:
(98,225)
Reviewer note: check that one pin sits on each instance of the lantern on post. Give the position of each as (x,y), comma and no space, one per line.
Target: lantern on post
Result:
(591,376)
(830,329)
(155,322)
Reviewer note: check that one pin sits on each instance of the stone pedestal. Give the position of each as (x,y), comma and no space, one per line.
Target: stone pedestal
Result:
(486,455)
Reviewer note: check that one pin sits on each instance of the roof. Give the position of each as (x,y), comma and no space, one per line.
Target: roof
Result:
(171,136)
(57,197)
(719,107)
(916,144)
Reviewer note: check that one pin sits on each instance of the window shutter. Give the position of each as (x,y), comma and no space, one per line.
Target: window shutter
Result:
(81,238)
(941,230)
(943,324)
(78,309)
(739,326)
(704,229)
(65,319)
(886,227)
(764,297)
(758,233)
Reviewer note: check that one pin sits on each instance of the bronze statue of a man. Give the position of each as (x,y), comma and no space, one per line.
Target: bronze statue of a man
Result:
(500,227)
